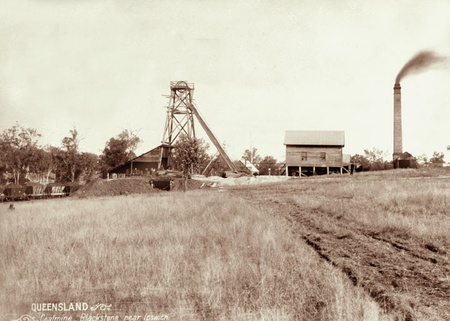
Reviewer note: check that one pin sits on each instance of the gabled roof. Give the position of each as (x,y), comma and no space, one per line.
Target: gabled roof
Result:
(404,156)
(144,154)
(140,158)
(241,167)
(252,168)
(315,138)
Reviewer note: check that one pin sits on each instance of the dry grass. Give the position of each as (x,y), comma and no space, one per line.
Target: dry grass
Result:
(390,230)
(193,256)
(417,208)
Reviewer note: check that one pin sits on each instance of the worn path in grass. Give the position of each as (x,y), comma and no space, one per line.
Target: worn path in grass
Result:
(406,277)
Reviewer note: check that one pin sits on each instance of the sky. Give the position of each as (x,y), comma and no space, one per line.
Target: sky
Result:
(259,68)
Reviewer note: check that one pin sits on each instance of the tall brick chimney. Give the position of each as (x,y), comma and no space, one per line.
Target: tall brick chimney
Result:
(398,146)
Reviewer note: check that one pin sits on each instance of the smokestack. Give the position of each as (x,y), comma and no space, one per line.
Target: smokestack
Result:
(419,63)
(398,145)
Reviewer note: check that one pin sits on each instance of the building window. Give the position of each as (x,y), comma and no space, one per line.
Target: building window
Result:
(323,156)
(304,156)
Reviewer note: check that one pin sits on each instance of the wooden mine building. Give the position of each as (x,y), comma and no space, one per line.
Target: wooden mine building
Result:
(143,164)
(314,152)
(404,160)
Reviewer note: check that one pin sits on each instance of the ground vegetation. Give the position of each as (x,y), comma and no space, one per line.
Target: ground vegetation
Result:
(190,256)
(437,158)
(387,231)
(18,151)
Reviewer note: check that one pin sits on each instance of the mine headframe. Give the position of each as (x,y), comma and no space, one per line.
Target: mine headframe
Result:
(180,120)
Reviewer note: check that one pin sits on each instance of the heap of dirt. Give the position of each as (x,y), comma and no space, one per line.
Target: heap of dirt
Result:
(126,186)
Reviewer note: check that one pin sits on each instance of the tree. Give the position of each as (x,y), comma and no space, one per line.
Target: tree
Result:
(18,146)
(114,154)
(187,150)
(268,165)
(437,159)
(251,156)
(71,159)
(89,164)
(43,164)
(118,150)
(202,156)
(132,140)
(60,164)
(2,164)
(375,158)
(422,160)
(360,160)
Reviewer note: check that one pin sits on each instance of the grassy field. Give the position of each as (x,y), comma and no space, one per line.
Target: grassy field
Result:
(412,208)
(201,255)
(388,231)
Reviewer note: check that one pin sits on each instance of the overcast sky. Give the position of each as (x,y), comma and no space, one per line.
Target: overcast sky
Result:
(259,68)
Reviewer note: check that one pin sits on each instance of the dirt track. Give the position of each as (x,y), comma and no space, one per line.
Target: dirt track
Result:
(407,279)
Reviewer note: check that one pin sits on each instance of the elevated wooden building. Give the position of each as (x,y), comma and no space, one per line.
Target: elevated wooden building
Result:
(314,152)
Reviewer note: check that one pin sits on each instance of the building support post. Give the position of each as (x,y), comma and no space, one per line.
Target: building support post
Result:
(314,170)
(328,170)
(287,171)
(341,169)
(300,171)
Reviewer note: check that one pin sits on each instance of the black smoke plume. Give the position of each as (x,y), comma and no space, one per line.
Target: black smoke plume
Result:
(418,63)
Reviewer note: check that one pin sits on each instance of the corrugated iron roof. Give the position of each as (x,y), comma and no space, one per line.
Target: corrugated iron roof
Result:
(315,137)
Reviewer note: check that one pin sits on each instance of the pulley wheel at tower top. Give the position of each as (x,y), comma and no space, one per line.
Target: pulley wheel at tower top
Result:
(181,85)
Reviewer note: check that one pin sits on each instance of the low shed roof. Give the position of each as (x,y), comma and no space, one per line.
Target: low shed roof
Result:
(147,157)
(315,138)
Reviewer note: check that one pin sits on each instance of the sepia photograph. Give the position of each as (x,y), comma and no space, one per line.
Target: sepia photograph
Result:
(224,160)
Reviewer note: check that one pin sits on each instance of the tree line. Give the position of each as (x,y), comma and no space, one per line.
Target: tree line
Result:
(23,159)
(374,159)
